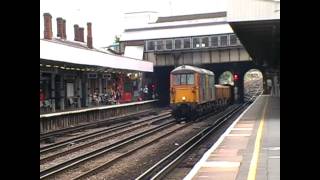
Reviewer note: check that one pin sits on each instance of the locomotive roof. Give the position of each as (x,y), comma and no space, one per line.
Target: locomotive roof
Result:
(187,68)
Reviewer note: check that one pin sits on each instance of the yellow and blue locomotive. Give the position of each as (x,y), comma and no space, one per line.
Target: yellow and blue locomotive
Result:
(193,92)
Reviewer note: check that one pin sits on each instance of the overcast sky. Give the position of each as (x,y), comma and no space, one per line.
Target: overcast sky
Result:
(107,16)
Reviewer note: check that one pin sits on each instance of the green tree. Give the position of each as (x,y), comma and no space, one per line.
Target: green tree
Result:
(116,39)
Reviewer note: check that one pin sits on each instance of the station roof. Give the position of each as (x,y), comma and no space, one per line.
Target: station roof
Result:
(76,53)
(191,17)
(261,39)
(257,25)
(180,26)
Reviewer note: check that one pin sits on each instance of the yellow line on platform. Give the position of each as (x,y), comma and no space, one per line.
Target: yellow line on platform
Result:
(255,156)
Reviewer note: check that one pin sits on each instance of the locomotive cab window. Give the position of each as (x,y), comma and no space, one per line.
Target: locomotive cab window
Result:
(190,78)
(177,79)
(181,79)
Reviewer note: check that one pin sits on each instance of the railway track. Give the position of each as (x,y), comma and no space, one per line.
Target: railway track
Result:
(49,172)
(86,137)
(118,158)
(157,170)
(52,134)
(59,168)
(168,163)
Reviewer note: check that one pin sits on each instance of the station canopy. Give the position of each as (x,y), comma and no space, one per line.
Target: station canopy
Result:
(61,53)
(180,26)
(257,25)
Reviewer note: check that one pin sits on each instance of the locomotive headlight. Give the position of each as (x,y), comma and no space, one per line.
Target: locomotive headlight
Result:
(183,98)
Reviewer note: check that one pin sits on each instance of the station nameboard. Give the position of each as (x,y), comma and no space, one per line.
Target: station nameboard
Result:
(92,75)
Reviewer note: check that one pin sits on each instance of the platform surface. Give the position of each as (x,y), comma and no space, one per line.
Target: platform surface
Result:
(249,149)
(96,108)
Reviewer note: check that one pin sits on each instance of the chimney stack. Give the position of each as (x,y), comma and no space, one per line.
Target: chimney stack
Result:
(89,35)
(81,34)
(47,26)
(64,29)
(76,32)
(60,27)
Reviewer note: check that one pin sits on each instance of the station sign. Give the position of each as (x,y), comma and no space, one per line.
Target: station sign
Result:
(92,75)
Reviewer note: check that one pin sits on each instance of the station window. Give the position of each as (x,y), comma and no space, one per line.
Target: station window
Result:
(224,40)
(196,42)
(205,42)
(233,39)
(214,41)
(177,43)
(150,45)
(168,44)
(186,43)
(159,45)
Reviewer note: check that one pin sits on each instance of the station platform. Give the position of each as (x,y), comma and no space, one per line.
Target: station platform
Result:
(249,149)
(59,120)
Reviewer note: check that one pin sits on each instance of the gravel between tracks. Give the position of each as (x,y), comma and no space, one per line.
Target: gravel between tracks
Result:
(133,166)
(137,163)
(91,130)
(73,135)
(108,156)
(91,148)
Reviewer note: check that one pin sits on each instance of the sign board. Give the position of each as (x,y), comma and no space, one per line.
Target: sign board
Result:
(92,75)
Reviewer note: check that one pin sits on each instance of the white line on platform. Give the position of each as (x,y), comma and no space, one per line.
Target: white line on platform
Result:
(195,169)
(274,157)
(239,135)
(272,148)
(241,129)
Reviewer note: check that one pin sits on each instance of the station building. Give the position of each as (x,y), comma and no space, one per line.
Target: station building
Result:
(74,74)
